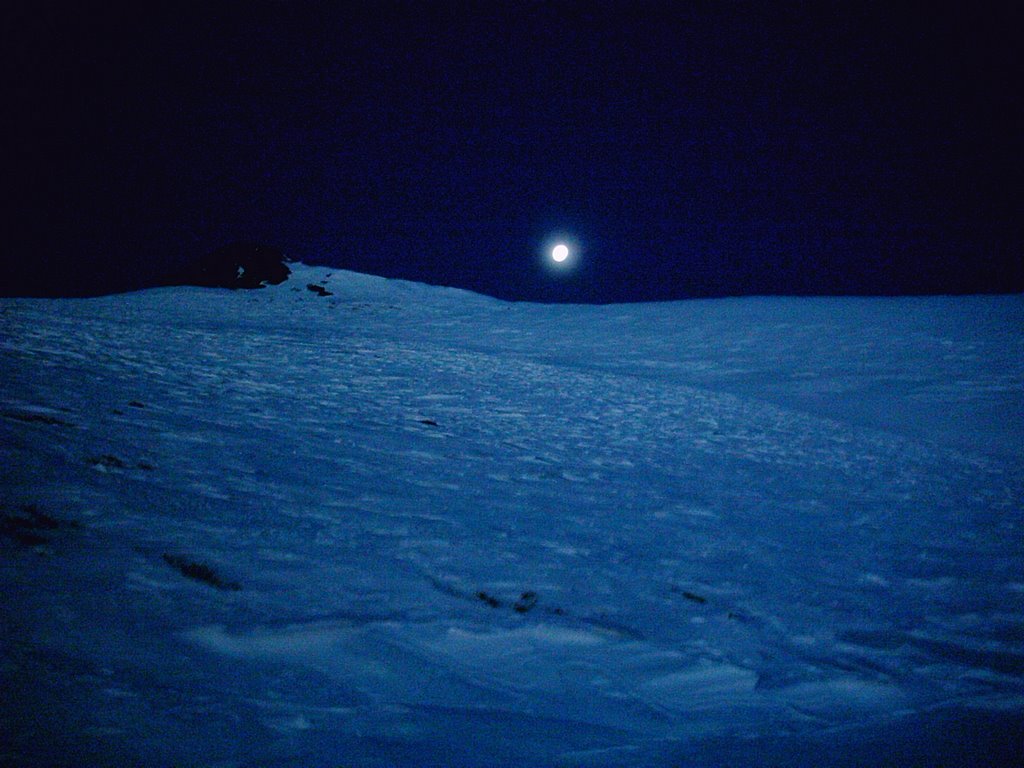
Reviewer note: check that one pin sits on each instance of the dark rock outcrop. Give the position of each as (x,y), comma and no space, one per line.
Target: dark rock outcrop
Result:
(239,265)
(30,526)
(319,290)
(200,572)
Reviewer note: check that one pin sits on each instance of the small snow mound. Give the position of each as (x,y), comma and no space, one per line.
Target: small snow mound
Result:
(702,683)
(826,698)
(462,641)
(290,643)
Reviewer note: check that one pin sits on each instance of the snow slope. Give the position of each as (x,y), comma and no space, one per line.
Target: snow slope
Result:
(406,525)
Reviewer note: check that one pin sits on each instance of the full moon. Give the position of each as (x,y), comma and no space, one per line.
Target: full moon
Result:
(560,252)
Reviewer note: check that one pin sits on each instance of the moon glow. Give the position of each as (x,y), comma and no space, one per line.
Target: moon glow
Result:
(560,252)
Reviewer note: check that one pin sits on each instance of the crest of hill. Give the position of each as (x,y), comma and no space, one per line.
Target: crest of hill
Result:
(357,286)
(248,266)
(308,292)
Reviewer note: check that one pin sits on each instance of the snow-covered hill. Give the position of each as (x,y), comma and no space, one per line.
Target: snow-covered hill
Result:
(406,525)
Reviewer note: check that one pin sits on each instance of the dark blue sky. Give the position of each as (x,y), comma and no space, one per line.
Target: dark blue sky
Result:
(690,149)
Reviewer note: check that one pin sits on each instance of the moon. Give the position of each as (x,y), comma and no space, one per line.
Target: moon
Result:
(560,252)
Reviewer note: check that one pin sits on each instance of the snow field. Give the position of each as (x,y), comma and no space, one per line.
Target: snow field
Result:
(475,533)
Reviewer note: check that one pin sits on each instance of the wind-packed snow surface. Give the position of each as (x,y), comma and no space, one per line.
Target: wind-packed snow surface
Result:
(412,526)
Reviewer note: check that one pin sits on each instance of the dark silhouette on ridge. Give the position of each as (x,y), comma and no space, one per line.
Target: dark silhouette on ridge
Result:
(237,265)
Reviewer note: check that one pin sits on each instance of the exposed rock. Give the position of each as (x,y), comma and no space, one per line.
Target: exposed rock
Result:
(691,596)
(200,572)
(488,599)
(32,417)
(107,461)
(31,526)
(526,601)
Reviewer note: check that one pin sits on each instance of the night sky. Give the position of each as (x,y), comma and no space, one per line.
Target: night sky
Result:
(684,149)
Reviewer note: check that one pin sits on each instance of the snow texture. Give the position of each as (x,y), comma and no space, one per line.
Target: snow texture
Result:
(389,524)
